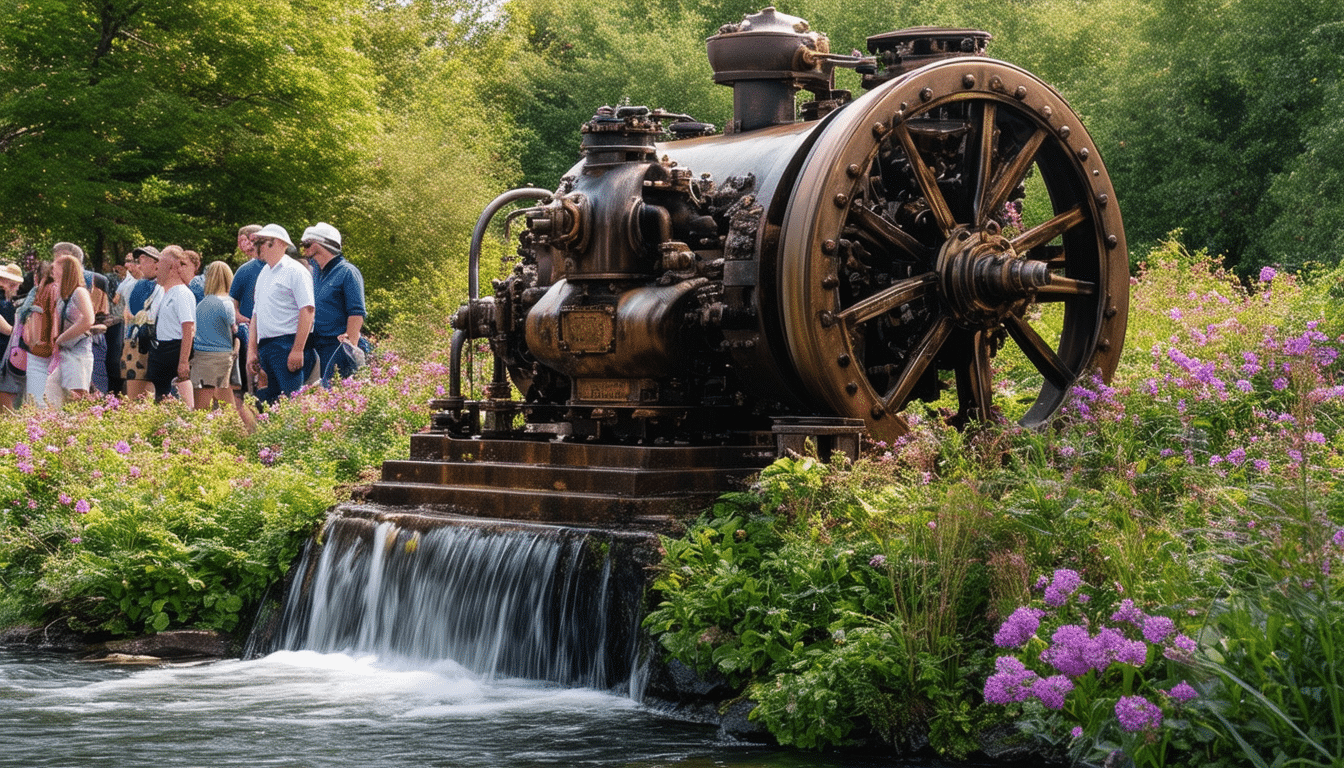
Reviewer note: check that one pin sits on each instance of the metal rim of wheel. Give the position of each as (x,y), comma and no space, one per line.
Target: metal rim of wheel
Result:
(895,264)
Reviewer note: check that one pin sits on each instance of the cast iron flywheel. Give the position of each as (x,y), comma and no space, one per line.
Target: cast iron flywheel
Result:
(950,211)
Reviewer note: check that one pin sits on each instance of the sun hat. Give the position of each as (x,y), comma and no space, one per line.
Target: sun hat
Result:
(11,272)
(325,235)
(147,250)
(273,230)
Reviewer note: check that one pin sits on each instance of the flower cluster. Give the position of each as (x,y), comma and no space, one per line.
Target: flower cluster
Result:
(1085,650)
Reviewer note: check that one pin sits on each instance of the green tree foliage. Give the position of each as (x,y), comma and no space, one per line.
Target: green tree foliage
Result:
(443,150)
(175,120)
(1219,121)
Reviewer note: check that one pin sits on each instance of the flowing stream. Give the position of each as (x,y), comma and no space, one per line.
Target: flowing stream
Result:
(397,646)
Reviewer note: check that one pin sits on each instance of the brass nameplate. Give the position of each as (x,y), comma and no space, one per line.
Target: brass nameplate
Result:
(604,390)
(587,330)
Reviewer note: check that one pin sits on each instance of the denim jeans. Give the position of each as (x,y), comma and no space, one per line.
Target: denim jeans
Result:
(274,356)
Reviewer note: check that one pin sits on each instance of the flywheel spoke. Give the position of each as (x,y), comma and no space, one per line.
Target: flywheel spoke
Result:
(975,382)
(928,183)
(886,232)
(1039,352)
(1049,230)
(917,363)
(1012,174)
(884,301)
(984,166)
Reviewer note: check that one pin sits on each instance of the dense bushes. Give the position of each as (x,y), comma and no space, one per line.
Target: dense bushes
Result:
(128,518)
(1159,572)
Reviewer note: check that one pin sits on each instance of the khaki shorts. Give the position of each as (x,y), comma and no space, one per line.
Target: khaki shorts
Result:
(134,363)
(211,369)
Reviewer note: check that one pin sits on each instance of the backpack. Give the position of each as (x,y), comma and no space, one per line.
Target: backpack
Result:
(140,334)
(38,328)
(17,360)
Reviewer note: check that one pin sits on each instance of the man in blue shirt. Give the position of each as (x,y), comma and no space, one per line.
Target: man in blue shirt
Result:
(338,290)
(243,293)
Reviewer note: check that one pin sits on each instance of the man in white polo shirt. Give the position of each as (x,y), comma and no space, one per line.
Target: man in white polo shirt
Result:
(282,317)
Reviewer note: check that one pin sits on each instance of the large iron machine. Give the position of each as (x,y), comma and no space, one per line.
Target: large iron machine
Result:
(687,303)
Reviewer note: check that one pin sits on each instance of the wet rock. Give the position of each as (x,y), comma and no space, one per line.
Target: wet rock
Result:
(50,638)
(737,725)
(179,645)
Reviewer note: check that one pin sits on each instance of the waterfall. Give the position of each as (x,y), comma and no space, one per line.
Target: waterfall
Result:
(503,600)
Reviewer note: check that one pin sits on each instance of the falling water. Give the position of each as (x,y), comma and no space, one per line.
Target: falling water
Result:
(505,601)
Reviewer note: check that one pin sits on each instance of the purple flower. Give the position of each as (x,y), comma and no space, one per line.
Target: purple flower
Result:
(122,447)
(1064,584)
(82,506)
(64,498)
(75,539)
(23,450)
(1157,629)
(1011,681)
(1280,384)
(1182,692)
(1073,651)
(1236,456)
(1267,274)
(877,561)
(1052,690)
(1338,538)
(1018,628)
(26,467)
(1077,732)
(1136,713)
(134,472)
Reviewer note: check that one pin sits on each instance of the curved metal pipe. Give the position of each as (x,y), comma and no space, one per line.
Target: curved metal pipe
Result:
(455,363)
(478,235)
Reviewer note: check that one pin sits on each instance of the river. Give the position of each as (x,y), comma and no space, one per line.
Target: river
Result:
(304,709)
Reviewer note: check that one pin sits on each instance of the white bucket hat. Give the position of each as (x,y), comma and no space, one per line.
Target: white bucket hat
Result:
(276,231)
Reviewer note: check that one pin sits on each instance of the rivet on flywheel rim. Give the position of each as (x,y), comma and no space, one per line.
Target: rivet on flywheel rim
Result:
(1084,153)
(926,94)
(843,360)
(968,80)
(1046,111)
(1112,241)
(826,319)
(841,200)
(996,83)
(1103,199)
(828,246)
(1104,345)
(1064,131)
(1111,312)
(853,170)
(1020,93)
(877,412)
(852,388)
(879,130)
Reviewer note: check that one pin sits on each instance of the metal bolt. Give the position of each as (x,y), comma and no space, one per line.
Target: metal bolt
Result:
(996,83)
(1112,241)
(877,412)
(1046,111)
(843,360)
(853,170)
(1020,93)
(1083,153)
(1103,199)
(926,94)
(828,246)
(826,319)
(968,80)
(1111,312)
(830,282)
(1064,131)
(851,388)
(841,200)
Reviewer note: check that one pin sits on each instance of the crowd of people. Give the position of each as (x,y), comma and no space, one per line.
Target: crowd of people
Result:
(158,323)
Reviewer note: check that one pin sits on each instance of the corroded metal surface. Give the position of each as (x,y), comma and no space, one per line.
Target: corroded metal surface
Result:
(815,266)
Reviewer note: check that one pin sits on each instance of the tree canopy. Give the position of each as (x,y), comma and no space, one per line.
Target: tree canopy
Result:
(124,121)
